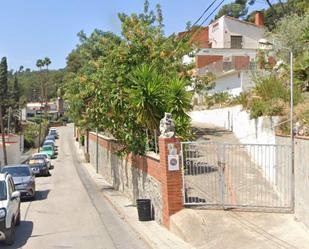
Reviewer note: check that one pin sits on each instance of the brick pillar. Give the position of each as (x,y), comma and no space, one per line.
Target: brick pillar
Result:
(171,181)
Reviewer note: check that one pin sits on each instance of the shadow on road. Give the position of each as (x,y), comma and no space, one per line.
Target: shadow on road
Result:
(23,233)
(41,194)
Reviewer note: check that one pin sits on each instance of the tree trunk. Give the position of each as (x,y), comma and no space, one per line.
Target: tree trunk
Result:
(3,137)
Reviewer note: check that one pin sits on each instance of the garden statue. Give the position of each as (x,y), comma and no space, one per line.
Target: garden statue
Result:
(167,126)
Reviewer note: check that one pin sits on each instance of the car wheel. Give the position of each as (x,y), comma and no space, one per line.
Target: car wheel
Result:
(33,195)
(10,235)
(18,218)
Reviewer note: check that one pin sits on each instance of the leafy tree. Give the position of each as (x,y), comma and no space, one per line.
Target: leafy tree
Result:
(289,35)
(16,90)
(235,9)
(122,84)
(279,10)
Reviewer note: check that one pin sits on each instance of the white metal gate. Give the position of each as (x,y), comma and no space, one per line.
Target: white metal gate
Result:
(242,176)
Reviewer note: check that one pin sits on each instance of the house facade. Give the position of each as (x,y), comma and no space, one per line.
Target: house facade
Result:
(229,53)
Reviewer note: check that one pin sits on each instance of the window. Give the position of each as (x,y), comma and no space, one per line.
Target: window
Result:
(236,41)
(3,194)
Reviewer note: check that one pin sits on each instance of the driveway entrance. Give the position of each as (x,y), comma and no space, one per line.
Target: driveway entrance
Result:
(243,176)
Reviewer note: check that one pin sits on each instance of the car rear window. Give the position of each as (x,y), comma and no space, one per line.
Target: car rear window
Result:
(3,194)
(39,157)
(16,171)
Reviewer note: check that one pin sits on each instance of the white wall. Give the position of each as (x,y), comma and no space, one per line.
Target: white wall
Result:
(248,131)
(234,83)
(230,83)
(216,36)
(14,150)
(255,131)
(220,35)
(251,34)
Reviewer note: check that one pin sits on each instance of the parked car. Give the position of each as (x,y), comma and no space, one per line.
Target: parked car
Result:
(39,167)
(49,150)
(53,132)
(9,209)
(50,137)
(52,143)
(24,179)
(42,155)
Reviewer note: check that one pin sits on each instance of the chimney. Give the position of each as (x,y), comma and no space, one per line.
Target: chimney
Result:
(259,19)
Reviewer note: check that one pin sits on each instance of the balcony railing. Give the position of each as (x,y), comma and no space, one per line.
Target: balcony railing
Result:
(221,67)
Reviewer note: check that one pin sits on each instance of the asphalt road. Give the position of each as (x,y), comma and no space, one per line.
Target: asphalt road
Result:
(69,210)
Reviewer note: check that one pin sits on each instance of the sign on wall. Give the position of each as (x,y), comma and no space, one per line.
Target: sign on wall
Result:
(173,158)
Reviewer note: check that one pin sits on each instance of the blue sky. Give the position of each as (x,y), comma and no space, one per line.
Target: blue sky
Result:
(35,29)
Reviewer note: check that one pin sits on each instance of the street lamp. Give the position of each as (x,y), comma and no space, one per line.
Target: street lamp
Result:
(268,45)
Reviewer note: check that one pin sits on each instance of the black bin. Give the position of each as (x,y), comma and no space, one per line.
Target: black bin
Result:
(144,209)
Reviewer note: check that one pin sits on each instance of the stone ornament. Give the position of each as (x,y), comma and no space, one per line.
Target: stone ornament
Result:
(167,126)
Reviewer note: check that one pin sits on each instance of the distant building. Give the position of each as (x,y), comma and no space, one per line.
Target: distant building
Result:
(57,108)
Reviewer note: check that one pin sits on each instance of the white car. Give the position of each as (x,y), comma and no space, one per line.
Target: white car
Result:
(9,209)
(53,131)
(45,156)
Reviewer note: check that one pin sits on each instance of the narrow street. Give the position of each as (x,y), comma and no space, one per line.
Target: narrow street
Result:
(69,211)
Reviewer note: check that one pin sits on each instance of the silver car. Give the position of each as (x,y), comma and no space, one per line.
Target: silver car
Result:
(24,179)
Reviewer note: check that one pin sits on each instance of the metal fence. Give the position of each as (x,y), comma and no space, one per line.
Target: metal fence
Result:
(245,176)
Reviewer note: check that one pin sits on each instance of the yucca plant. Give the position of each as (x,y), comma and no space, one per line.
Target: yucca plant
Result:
(146,96)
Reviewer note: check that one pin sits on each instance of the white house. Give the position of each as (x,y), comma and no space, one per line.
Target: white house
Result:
(230,53)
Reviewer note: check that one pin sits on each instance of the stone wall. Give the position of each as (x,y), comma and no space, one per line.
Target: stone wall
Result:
(301,165)
(136,177)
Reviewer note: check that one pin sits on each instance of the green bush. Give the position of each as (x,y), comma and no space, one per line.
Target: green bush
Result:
(276,107)
(258,108)
(30,133)
(221,98)
(270,87)
(243,99)
(82,140)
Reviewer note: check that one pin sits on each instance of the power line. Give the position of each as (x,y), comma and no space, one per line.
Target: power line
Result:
(188,32)
(204,13)
(212,12)
(200,25)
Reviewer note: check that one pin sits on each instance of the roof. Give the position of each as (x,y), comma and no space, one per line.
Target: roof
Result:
(16,165)
(235,19)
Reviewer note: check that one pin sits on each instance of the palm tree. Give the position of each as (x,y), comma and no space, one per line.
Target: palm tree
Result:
(39,63)
(47,62)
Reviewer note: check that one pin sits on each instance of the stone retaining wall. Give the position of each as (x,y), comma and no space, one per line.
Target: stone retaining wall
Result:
(137,177)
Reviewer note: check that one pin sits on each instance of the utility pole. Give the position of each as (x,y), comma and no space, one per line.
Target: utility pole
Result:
(40,130)
(9,122)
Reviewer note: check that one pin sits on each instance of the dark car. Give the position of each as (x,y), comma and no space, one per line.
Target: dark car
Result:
(53,132)
(50,137)
(39,168)
(24,179)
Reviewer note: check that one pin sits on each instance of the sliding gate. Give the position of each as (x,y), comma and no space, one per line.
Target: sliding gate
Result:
(241,176)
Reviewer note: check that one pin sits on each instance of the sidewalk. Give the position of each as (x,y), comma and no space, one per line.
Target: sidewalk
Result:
(154,234)
(25,156)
